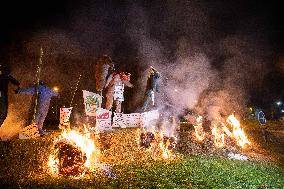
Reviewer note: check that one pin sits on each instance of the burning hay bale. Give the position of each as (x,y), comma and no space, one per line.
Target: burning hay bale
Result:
(71,159)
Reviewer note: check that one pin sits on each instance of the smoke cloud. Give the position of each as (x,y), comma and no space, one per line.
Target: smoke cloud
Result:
(209,63)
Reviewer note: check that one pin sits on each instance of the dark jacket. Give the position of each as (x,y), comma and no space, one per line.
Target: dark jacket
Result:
(4,81)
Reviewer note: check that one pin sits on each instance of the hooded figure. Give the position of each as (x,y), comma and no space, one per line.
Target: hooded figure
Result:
(44,96)
(115,89)
(151,88)
(101,71)
(5,78)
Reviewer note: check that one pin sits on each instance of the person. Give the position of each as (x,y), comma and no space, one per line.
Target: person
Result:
(43,101)
(115,89)
(151,87)
(102,68)
(5,79)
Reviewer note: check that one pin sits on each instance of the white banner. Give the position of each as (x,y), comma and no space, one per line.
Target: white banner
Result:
(28,132)
(92,102)
(103,120)
(65,114)
(126,120)
(145,120)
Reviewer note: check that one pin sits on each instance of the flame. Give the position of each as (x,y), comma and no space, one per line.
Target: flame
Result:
(218,133)
(81,145)
(158,144)
(167,144)
(238,132)
(199,132)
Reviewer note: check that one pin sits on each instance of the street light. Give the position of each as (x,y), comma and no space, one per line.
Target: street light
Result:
(278,103)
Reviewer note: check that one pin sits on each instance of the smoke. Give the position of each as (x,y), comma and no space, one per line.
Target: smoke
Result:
(210,58)
(209,72)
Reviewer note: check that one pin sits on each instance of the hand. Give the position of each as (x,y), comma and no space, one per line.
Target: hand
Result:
(17,90)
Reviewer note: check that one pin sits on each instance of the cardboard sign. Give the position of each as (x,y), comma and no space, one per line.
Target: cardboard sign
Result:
(92,102)
(144,120)
(126,120)
(118,92)
(103,120)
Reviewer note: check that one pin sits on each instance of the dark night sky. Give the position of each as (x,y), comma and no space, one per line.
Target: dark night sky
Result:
(21,19)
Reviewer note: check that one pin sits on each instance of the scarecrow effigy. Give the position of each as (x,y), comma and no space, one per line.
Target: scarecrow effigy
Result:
(103,65)
(115,89)
(5,79)
(44,96)
(151,88)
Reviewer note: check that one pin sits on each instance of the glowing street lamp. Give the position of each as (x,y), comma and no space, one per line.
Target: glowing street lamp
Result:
(278,103)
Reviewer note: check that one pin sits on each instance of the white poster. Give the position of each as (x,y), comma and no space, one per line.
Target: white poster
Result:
(92,102)
(103,120)
(144,120)
(126,120)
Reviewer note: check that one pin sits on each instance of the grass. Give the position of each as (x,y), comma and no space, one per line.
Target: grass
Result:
(269,137)
(187,172)
(21,165)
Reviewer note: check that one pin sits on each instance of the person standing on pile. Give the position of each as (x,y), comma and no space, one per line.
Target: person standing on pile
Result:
(5,79)
(151,88)
(102,68)
(43,101)
(115,89)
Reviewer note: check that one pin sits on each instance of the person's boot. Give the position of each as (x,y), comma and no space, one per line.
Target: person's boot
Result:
(41,132)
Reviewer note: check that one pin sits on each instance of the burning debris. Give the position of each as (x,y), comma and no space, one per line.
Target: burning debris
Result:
(220,131)
(71,159)
(75,154)
(199,133)
(146,139)
(152,142)
(238,132)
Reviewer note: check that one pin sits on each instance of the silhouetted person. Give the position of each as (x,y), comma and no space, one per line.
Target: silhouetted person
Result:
(102,68)
(5,79)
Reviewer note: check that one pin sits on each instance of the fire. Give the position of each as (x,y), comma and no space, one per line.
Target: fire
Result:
(199,133)
(158,144)
(167,145)
(75,154)
(238,132)
(218,133)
